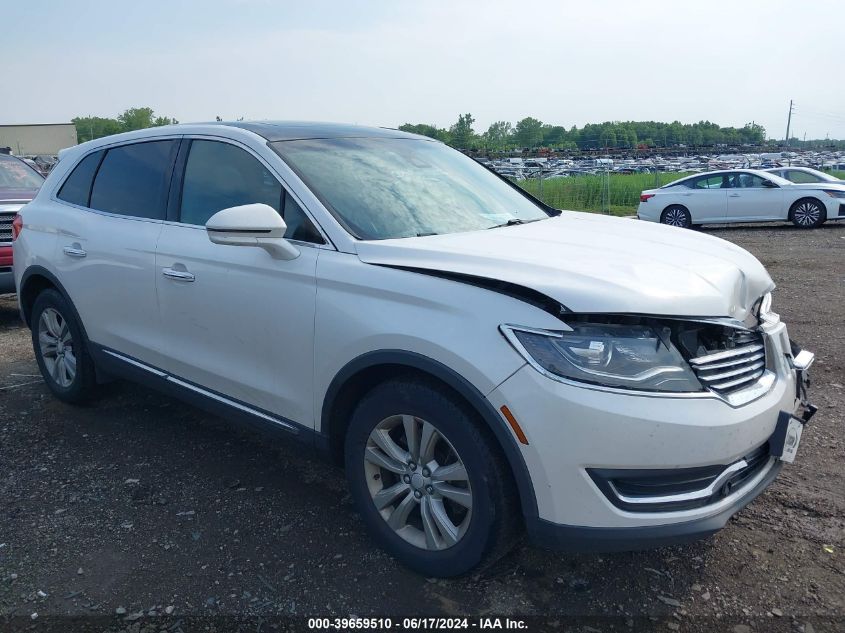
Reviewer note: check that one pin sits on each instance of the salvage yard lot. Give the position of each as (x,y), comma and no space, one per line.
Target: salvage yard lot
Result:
(141,503)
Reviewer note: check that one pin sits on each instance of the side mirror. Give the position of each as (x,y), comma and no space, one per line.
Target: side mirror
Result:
(252,225)
(769,184)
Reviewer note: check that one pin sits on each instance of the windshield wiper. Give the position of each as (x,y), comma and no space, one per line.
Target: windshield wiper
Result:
(513,222)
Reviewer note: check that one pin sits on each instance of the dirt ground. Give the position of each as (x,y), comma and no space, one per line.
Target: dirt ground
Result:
(140,513)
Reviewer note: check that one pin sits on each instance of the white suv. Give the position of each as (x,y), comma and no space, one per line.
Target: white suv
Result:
(480,362)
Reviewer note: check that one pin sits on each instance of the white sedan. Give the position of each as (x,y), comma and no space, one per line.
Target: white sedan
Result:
(803,175)
(742,195)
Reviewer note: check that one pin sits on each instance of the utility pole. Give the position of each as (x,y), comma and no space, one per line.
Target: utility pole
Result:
(789,122)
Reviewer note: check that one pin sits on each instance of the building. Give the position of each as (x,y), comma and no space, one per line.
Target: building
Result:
(39,138)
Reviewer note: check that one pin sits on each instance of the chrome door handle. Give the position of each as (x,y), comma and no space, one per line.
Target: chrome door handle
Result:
(179,275)
(735,195)
(73,251)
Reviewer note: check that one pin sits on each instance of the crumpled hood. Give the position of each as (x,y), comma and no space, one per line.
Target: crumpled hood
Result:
(594,263)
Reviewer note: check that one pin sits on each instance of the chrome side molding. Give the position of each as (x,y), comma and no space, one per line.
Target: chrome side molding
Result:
(203,392)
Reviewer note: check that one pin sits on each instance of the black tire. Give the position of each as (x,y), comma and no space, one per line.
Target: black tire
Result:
(807,213)
(83,385)
(676,215)
(494,523)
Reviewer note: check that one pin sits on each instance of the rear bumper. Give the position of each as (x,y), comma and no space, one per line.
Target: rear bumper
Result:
(574,538)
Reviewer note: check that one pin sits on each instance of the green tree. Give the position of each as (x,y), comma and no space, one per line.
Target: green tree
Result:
(425,129)
(90,127)
(498,135)
(554,135)
(528,132)
(463,136)
(136,119)
(607,137)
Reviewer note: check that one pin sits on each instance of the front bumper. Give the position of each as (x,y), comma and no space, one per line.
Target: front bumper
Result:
(573,431)
(575,538)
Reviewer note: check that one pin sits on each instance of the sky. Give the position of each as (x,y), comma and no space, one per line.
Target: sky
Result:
(380,62)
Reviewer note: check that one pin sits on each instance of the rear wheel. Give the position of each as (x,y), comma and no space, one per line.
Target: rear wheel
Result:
(676,215)
(808,213)
(60,349)
(429,483)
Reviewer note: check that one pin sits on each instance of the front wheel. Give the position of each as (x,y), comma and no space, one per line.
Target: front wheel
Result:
(60,350)
(676,215)
(428,481)
(808,213)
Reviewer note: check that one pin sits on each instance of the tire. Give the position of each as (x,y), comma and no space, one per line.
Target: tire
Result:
(807,213)
(60,351)
(475,536)
(676,215)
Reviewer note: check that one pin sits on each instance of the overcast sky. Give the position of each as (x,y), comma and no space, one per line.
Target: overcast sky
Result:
(391,62)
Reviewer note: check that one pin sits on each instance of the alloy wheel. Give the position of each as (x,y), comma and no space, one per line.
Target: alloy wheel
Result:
(807,213)
(418,482)
(56,345)
(675,217)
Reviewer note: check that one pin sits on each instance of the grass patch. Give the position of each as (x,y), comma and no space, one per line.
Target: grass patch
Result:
(585,193)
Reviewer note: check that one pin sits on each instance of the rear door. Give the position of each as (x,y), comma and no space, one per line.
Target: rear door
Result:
(237,322)
(706,198)
(115,201)
(749,200)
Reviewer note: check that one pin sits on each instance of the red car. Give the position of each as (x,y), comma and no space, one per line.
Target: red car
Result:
(18,185)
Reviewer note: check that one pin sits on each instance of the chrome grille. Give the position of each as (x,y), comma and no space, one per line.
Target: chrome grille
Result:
(6,227)
(729,370)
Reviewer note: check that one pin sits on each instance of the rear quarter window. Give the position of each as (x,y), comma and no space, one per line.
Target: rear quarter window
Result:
(77,188)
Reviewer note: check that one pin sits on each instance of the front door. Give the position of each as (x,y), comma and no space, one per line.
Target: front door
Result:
(749,200)
(236,321)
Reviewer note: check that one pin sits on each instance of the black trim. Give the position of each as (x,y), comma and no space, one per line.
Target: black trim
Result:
(516,291)
(117,367)
(174,196)
(652,482)
(463,387)
(263,231)
(576,538)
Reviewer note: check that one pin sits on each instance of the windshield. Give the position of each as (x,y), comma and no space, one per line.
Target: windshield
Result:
(16,174)
(387,188)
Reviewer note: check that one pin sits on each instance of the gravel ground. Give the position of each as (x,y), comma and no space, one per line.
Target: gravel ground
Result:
(145,513)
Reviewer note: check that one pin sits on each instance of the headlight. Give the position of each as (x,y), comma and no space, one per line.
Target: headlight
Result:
(639,357)
(835,193)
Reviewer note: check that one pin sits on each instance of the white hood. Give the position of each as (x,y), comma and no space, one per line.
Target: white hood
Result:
(594,263)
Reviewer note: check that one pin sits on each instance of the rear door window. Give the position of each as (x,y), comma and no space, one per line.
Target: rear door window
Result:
(77,187)
(710,182)
(134,179)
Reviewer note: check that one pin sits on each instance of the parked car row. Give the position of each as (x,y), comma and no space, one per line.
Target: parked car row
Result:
(480,363)
(519,168)
(746,195)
